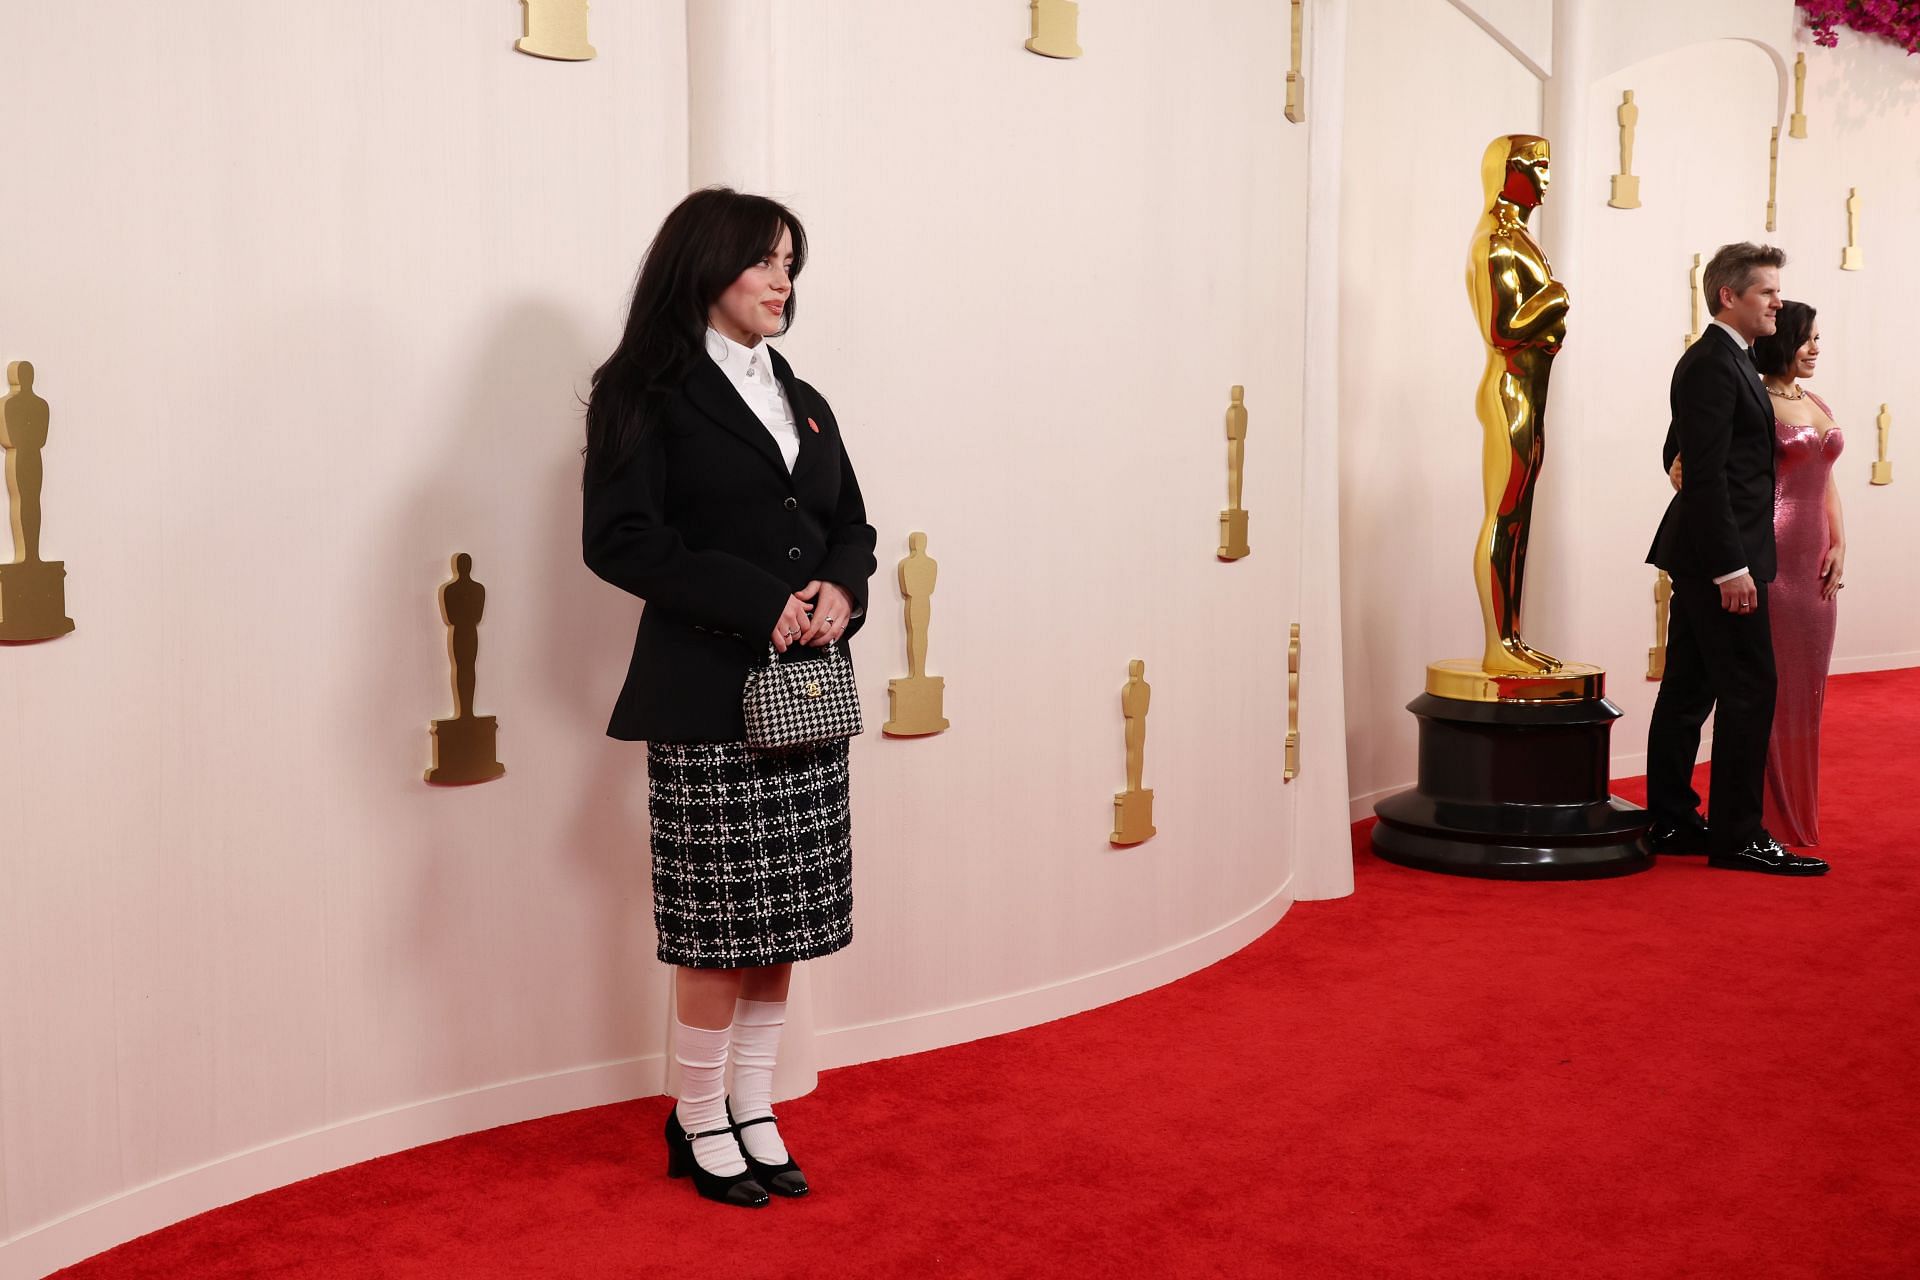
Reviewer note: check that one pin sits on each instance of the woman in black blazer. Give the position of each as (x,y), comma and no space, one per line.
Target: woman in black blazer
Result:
(718,491)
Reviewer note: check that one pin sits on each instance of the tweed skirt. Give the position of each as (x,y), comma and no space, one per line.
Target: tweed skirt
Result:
(752,852)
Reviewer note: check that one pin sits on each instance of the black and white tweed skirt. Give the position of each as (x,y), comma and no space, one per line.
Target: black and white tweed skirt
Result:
(752,852)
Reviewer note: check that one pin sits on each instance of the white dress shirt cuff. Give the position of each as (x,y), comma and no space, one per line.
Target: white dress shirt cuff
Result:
(1729,577)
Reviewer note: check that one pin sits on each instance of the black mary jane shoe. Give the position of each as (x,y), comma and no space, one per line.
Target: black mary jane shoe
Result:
(740,1189)
(1766,855)
(781,1179)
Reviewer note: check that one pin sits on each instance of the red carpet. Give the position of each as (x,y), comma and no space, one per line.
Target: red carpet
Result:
(1683,1073)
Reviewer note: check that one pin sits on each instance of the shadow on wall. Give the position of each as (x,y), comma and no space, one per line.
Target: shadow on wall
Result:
(585,640)
(482,864)
(1859,102)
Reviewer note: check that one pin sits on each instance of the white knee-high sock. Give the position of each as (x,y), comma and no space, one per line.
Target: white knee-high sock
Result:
(756,1044)
(702,1055)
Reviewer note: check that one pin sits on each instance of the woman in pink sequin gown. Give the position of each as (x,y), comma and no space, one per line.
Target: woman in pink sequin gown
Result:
(1810,537)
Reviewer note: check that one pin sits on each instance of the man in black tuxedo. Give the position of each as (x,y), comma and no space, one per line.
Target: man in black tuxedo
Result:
(1716,543)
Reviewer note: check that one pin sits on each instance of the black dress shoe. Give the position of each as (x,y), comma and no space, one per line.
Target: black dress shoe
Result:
(781,1179)
(1677,837)
(1764,854)
(740,1189)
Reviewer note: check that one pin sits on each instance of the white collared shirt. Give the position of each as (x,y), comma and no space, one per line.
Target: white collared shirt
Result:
(750,370)
(1733,333)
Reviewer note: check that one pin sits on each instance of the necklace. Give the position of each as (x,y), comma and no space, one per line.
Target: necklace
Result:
(1799,393)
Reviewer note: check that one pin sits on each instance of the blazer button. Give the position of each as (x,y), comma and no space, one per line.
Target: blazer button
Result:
(793,553)
(790,504)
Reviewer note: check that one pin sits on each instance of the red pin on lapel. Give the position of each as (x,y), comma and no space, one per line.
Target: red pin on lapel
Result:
(814,425)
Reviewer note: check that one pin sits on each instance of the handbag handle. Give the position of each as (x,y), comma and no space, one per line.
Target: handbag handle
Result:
(831,648)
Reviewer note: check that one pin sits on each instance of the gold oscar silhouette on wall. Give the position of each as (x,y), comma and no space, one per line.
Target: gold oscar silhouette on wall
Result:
(1296,110)
(1882,468)
(556,29)
(1290,768)
(915,701)
(1233,521)
(1797,125)
(1698,295)
(1626,187)
(1850,257)
(463,747)
(1133,808)
(33,592)
(1056,29)
(1773,177)
(1662,599)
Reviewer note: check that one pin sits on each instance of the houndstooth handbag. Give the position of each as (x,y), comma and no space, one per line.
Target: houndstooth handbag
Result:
(795,704)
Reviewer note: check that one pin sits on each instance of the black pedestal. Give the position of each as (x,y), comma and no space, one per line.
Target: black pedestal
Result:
(1514,791)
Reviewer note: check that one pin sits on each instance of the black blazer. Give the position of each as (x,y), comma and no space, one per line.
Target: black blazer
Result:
(1722,518)
(705,524)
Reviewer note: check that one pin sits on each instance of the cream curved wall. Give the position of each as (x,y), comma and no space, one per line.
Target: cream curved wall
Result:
(313,292)
(1034,333)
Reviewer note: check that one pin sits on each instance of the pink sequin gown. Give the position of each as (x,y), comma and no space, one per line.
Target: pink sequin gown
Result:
(1803,626)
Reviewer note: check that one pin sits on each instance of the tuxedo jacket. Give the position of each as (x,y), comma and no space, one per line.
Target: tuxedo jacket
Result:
(1722,517)
(705,524)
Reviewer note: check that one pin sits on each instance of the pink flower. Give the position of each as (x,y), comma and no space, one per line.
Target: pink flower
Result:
(1897,21)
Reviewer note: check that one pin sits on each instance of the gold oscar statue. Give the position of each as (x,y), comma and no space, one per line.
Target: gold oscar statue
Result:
(1850,259)
(556,29)
(463,747)
(1698,295)
(1626,187)
(1512,781)
(1773,178)
(1797,125)
(1056,29)
(916,700)
(1882,468)
(1233,521)
(1662,599)
(1133,808)
(1296,110)
(33,592)
(1522,313)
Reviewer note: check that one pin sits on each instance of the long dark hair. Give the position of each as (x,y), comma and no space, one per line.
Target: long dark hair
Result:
(1792,326)
(703,246)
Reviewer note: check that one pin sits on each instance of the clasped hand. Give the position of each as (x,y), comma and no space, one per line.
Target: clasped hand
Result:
(1739,595)
(817,614)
